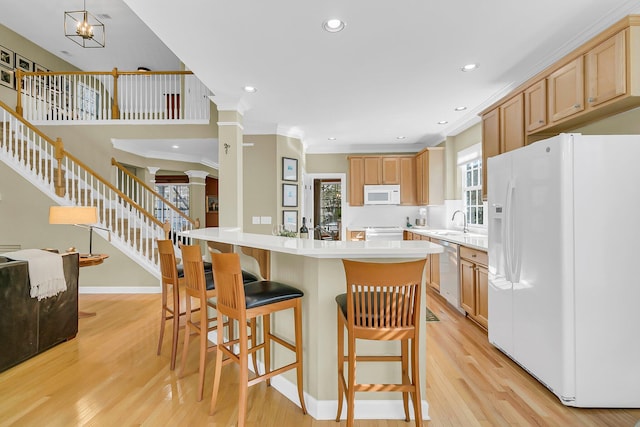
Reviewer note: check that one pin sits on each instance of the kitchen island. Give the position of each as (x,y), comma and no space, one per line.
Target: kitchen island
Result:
(315,267)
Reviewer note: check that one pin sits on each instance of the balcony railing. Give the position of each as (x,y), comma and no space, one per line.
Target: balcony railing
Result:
(103,97)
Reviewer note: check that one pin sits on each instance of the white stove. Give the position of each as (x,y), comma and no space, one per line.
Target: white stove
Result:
(383,233)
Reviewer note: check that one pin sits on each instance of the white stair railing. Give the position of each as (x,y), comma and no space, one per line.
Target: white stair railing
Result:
(69,182)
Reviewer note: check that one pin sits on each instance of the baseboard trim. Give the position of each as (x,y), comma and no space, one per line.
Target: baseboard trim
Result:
(364,409)
(119,290)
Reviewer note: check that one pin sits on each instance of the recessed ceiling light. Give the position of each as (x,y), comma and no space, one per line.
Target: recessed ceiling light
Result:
(175,146)
(333,25)
(400,137)
(459,108)
(469,67)
(443,122)
(332,138)
(250,89)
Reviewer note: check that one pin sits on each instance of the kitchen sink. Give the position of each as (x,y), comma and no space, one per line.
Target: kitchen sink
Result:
(455,233)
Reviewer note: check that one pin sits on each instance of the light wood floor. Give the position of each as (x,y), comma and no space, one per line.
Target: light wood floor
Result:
(110,376)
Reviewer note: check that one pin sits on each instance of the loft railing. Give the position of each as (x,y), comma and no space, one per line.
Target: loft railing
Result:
(104,97)
(151,201)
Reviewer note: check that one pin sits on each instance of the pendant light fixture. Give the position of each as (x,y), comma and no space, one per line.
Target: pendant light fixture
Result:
(84,28)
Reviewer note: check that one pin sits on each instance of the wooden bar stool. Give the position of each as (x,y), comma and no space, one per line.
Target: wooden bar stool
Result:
(382,303)
(242,303)
(195,286)
(170,283)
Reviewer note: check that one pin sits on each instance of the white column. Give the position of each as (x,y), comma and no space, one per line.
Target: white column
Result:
(230,193)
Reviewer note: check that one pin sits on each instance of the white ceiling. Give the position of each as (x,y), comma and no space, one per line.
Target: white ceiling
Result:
(394,70)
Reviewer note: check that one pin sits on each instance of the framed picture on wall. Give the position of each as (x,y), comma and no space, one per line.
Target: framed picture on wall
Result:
(289,169)
(23,63)
(290,220)
(289,195)
(6,57)
(39,68)
(212,204)
(7,78)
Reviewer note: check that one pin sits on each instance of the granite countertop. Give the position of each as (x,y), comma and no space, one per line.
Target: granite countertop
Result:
(471,240)
(317,248)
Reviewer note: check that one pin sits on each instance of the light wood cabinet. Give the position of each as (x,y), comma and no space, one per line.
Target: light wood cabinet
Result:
(535,106)
(474,282)
(512,124)
(430,176)
(490,142)
(432,267)
(390,170)
(372,171)
(356,181)
(408,181)
(356,235)
(606,70)
(566,90)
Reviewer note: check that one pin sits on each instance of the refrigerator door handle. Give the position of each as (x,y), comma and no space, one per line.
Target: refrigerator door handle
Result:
(507,231)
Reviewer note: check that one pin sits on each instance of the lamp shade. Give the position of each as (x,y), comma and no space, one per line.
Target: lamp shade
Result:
(73,215)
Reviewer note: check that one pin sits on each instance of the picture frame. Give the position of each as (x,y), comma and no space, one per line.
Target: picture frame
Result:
(290,220)
(39,68)
(23,63)
(212,204)
(290,195)
(7,78)
(7,57)
(289,169)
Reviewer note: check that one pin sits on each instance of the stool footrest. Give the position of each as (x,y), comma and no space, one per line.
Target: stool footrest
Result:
(384,387)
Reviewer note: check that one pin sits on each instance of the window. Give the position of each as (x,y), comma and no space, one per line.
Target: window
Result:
(178,195)
(470,163)
(472,192)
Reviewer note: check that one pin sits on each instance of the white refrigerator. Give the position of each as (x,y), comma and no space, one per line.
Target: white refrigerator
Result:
(564,265)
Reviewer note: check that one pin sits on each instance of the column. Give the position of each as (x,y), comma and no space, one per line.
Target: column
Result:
(230,194)
(197,190)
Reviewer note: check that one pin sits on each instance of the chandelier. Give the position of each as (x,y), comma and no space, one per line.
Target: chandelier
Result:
(83,28)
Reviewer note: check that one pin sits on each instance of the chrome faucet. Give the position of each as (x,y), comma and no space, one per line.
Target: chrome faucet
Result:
(464,216)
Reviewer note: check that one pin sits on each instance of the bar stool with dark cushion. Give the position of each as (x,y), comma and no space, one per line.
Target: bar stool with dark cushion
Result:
(382,303)
(242,303)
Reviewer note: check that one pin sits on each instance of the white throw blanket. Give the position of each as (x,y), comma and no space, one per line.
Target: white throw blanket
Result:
(46,273)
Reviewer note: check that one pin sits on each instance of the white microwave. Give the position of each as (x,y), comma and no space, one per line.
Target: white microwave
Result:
(381,194)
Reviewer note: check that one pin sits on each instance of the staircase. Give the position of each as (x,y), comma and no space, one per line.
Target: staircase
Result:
(129,227)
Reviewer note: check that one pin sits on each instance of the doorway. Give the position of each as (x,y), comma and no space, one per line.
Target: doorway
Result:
(327,209)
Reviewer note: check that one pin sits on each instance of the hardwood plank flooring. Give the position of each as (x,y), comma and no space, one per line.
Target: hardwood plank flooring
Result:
(109,375)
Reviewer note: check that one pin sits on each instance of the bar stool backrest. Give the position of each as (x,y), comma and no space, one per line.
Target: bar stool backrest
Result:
(168,269)
(383,297)
(227,275)
(194,279)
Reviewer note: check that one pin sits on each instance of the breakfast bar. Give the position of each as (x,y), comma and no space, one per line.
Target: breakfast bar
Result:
(315,267)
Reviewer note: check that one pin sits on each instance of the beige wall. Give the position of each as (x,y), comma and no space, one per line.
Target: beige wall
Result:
(32,52)
(260,189)
(327,163)
(627,123)
(453,145)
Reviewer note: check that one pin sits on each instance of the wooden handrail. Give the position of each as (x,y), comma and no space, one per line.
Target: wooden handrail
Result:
(60,152)
(115,163)
(114,72)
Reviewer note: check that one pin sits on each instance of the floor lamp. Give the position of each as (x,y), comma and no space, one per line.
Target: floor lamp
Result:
(81,216)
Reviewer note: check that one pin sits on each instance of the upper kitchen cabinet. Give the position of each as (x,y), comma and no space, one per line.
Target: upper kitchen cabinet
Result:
(535,106)
(430,176)
(356,181)
(408,181)
(512,124)
(490,142)
(566,90)
(606,70)
(372,170)
(390,170)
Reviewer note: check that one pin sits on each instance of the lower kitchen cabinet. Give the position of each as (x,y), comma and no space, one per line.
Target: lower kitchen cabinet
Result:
(432,269)
(474,284)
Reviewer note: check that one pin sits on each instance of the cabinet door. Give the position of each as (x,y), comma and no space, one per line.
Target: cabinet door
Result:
(535,106)
(512,124)
(490,143)
(482,295)
(566,90)
(421,185)
(356,181)
(372,171)
(467,287)
(606,70)
(434,262)
(408,181)
(390,170)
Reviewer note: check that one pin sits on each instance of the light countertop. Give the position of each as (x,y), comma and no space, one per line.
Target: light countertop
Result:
(472,240)
(317,248)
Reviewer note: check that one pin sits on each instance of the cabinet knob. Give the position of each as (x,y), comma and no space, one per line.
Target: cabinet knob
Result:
(590,100)
(576,106)
(473,255)
(541,121)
